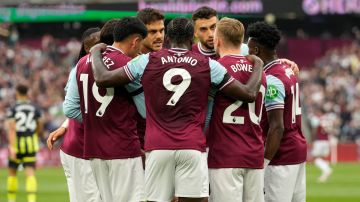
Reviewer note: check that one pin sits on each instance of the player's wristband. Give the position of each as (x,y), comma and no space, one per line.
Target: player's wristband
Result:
(65,124)
(266,162)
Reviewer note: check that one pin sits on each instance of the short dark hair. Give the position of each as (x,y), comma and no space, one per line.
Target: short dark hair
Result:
(85,35)
(22,89)
(204,13)
(149,15)
(107,32)
(264,34)
(180,30)
(128,26)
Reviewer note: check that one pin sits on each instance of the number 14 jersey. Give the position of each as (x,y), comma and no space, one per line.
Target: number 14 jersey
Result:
(283,93)
(176,84)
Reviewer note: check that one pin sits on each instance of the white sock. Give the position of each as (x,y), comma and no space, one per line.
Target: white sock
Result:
(322,165)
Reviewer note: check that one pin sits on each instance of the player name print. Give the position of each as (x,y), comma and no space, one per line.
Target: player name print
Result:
(241,67)
(173,59)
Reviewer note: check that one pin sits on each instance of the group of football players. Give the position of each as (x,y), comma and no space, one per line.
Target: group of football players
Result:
(158,118)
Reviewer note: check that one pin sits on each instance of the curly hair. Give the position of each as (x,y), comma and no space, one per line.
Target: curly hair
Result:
(149,15)
(180,30)
(264,34)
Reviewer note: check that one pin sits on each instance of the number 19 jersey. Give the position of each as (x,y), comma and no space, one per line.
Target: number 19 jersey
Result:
(109,114)
(235,136)
(176,84)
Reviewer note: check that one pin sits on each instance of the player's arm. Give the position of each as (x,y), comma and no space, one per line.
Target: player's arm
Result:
(55,135)
(249,91)
(275,132)
(11,127)
(71,105)
(103,77)
(292,65)
(274,103)
(39,127)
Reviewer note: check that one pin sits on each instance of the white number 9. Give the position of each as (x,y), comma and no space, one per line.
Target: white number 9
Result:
(178,89)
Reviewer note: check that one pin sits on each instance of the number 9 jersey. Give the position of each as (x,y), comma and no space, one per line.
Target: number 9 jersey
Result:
(283,93)
(176,83)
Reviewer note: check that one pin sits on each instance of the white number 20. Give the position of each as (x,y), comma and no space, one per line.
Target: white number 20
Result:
(228,118)
(178,89)
(104,100)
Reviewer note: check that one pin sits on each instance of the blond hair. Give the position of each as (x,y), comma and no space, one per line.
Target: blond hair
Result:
(231,30)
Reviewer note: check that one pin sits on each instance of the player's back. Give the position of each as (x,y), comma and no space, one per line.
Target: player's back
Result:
(176,84)
(109,114)
(282,82)
(25,115)
(235,135)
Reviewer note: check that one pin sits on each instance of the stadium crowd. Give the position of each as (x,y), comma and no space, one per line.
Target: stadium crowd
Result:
(332,86)
(43,64)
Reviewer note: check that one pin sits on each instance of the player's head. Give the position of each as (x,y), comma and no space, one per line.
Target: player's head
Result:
(89,38)
(180,32)
(205,20)
(263,38)
(21,90)
(107,32)
(229,33)
(132,31)
(154,22)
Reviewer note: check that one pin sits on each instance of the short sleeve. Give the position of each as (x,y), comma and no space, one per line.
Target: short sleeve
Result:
(275,93)
(217,73)
(135,68)
(244,49)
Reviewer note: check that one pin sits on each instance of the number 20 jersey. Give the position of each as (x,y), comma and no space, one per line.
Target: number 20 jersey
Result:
(283,93)
(109,114)
(176,84)
(235,136)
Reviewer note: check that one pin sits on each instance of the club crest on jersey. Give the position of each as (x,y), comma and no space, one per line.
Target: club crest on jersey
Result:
(289,72)
(272,92)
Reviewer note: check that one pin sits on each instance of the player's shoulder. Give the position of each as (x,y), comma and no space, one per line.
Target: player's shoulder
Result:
(195,48)
(281,71)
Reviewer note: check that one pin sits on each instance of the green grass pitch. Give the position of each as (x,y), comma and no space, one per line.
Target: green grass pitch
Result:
(342,186)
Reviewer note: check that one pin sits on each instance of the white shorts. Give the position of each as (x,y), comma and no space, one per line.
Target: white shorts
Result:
(236,184)
(80,179)
(321,148)
(285,183)
(119,179)
(182,173)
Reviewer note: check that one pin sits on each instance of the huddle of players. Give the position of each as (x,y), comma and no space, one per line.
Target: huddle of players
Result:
(174,82)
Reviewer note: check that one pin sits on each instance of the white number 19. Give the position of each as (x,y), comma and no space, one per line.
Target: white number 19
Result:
(104,100)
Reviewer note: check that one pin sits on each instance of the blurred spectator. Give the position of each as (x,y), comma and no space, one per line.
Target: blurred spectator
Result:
(333,85)
(45,67)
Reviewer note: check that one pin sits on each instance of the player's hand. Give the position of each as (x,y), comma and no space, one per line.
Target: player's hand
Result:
(294,67)
(55,135)
(12,153)
(98,47)
(255,60)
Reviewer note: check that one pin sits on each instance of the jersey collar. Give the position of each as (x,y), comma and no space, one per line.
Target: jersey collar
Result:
(271,64)
(206,52)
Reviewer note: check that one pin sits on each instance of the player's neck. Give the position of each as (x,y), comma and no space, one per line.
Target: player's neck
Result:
(145,50)
(121,46)
(267,58)
(21,98)
(205,49)
(229,51)
(183,46)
